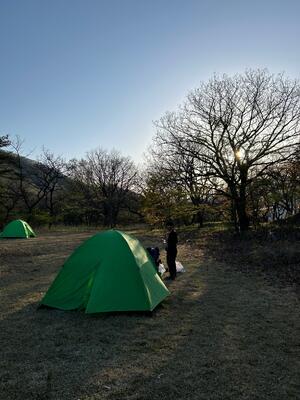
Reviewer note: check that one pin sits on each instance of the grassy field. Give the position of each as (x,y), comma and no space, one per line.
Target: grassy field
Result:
(222,334)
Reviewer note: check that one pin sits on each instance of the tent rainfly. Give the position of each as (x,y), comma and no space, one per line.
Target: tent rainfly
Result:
(109,272)
(17,229)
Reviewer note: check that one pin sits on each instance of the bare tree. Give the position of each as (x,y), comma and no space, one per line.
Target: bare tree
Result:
(8,196)
(4,143)
(183,170)
(238,127)
(106,180)
(51,172)
(85,201)
(284,189)
(35,181)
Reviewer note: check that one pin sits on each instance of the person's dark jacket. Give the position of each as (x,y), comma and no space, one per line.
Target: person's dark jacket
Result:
(172,241)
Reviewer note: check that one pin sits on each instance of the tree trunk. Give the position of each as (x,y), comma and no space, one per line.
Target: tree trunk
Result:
(108,214)
(241,203)
(241,209)
(242,215)
(234,216)
(199,219)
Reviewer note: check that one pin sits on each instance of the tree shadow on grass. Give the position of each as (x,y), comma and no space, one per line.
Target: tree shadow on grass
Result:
(231,342)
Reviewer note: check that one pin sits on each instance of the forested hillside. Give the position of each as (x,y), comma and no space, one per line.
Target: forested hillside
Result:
(51,191)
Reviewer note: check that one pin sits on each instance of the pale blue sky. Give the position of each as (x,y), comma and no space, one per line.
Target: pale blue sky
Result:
(78,74)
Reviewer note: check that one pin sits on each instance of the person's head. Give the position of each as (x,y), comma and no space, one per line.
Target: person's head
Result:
(170,226)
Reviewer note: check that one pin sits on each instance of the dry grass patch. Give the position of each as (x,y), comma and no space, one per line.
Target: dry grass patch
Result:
(220,335)
(274,253)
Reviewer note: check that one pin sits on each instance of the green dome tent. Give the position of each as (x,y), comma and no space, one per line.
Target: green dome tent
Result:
(17,229)
(109,272)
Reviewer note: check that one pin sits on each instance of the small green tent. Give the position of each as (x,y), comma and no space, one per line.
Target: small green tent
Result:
(17,229)
(109,272)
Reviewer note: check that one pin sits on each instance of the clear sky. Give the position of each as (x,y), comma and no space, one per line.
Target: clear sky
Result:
(78,74)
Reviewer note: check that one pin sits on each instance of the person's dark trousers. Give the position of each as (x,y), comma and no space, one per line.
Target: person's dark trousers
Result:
(171,261)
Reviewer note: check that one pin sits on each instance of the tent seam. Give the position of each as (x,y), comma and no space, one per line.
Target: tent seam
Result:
(139,271)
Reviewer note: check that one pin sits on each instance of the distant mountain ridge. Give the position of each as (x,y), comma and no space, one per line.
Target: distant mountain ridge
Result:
(9,165)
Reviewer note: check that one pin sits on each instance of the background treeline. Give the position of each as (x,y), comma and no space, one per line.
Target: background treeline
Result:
(100,189)
(231,152)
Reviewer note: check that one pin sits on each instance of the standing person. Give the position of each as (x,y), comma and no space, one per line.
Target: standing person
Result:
(171,249)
